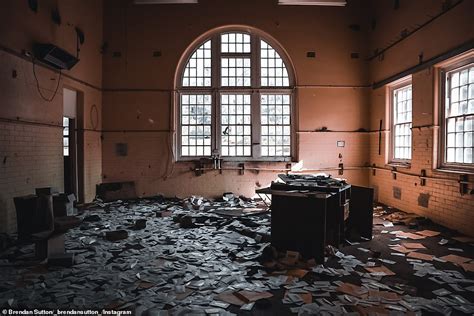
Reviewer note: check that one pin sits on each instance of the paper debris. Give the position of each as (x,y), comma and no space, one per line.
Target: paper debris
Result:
(380,271)
(418,255)
(428,233)
(455,259)
(413,245)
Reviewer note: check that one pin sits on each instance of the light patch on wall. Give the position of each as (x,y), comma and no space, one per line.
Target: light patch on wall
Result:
(298,166)
(341,143)
(397,193)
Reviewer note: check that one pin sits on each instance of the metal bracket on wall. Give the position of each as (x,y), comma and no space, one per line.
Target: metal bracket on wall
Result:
(242,169)
(394,173)
(463,182)
(374,170)
(198,168)
(341,169)
(422,177)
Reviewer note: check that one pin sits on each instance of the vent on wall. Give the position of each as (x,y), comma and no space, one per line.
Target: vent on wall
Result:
(332,3)
(397,193)
(54,56)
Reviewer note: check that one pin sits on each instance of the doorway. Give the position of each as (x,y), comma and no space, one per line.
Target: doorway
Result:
(70,141)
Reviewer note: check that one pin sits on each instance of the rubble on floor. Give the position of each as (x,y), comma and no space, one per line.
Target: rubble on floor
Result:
(195,256)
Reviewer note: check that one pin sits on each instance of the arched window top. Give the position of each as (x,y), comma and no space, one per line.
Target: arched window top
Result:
(235,59)
(273,72)
(198,69)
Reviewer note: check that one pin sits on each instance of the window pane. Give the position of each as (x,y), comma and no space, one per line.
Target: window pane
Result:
(236,131)
(235,43)
(460,116)
(402,122)
(275,125)
(196,120)
(272,68)
(198,70)
(66,126)
(235,72)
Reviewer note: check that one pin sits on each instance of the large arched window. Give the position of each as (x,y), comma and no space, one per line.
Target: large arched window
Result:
(235,99)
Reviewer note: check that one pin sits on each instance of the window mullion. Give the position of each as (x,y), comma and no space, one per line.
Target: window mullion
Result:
(255,62)
(216,62)
(217,121)
(256,123)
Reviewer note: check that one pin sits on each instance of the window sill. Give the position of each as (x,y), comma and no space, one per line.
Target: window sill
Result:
(234,161)
(405,165)
(454,170)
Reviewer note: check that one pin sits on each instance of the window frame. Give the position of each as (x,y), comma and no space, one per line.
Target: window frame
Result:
(255,90)
(458,64)
(399,84)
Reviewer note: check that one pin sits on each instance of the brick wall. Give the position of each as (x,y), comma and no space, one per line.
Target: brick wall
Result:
(445,206)
(452,29)
(31,157)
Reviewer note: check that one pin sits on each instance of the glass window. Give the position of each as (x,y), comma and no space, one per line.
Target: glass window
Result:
(459,115)
(236,125)
(276,125)
(235,43)
(229,106)
(198,70)
(65,136)
(402,122)
(272,68)
(235,72)
(196,112)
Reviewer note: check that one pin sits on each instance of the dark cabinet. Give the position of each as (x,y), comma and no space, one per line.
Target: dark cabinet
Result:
(360,221)
(299,222)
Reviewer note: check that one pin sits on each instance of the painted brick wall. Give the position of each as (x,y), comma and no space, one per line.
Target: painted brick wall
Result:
(31,157)
(445,204)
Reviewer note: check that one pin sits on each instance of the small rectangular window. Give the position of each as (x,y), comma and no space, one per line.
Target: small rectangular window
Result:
(401,122)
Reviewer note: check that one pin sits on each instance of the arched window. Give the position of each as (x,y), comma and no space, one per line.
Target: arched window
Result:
(235,99)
